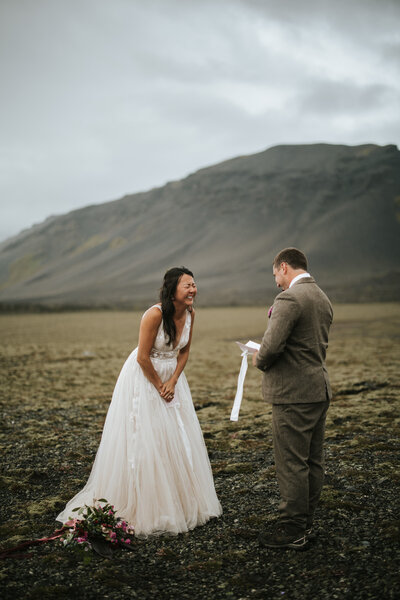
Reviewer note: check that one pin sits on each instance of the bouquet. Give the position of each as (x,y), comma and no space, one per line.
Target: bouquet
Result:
(98,529)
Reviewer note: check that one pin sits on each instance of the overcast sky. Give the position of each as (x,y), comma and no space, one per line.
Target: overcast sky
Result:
(101,98)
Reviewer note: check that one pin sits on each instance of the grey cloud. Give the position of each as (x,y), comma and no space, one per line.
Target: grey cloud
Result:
(341,98)
(391,54)
(105,98)
(340,12)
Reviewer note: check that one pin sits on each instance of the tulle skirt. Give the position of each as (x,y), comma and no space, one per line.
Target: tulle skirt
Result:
(152,463)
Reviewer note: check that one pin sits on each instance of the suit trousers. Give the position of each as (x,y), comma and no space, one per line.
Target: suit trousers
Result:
(298,432)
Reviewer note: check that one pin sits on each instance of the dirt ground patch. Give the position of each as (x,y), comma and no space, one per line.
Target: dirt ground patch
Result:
(57,373)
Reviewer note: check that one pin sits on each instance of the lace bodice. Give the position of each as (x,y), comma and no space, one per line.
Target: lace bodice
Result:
(161,349)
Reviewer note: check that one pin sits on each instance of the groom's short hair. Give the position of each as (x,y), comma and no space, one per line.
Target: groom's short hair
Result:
(293,257)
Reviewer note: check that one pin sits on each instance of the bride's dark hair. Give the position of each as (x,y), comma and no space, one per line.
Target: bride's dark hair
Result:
(167,293)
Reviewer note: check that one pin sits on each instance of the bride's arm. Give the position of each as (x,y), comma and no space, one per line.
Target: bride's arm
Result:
(147,334)
(169,386)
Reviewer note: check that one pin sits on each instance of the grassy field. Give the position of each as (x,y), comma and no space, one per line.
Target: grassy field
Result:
(57,376)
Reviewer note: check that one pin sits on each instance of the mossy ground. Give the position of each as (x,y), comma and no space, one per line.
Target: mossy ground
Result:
(57,376)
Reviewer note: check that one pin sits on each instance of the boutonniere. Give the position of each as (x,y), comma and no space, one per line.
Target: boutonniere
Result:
(270,312)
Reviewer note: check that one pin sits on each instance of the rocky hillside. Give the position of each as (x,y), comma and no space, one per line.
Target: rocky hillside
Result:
(340,204)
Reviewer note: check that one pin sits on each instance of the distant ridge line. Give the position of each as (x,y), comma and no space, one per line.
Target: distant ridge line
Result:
(340,204)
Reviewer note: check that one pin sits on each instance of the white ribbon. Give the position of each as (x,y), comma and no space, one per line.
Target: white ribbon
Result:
(239,392)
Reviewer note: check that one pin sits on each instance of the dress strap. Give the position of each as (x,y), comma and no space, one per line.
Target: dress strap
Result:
(150,307)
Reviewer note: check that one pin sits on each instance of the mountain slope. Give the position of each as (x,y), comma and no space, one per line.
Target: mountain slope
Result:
(339,204)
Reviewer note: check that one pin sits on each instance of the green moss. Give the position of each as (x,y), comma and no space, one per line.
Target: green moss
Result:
(46,507)
(254,520)
(246,534)
(244,467)
(330,497)
(56,557)
(167,554)
(391,529)
(44,592)
(12,528)
(14,485)
(7,528)
(234,555)
(349,505)
(210,565)
(218,466)
(267,474)
(241,491)
(112,576)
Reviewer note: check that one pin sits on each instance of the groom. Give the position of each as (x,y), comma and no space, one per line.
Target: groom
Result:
(295,381)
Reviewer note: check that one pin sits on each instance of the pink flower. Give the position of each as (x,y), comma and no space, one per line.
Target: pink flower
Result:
(70,523)
(127,541)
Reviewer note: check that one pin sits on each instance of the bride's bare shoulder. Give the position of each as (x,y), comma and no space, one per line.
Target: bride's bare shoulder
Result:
(153,315)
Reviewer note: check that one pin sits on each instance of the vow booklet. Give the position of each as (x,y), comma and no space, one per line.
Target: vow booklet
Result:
(251,347)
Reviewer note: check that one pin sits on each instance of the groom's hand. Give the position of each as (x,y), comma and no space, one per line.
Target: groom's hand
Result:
(254,359)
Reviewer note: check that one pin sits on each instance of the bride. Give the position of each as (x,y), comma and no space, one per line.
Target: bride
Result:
(152,463)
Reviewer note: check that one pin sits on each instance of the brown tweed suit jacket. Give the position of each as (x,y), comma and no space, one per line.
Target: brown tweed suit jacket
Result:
(293,349)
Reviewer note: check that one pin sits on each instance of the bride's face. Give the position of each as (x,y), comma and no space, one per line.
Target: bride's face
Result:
(186,291)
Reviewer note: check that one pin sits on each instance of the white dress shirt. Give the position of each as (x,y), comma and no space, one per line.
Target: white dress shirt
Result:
(299,277)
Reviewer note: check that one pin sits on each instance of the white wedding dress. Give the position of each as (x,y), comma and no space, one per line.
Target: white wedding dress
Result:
(152,463)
